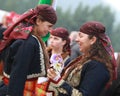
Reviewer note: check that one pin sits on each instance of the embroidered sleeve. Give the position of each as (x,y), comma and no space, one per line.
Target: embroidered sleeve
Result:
(76,93)
(64,88)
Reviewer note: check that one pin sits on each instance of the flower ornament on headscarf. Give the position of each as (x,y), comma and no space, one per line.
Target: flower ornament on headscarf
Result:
(98,29)
(45,11)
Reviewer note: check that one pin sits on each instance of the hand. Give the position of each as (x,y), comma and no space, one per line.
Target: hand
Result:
(52,74)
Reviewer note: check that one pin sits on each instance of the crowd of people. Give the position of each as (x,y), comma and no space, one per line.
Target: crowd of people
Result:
(81,63)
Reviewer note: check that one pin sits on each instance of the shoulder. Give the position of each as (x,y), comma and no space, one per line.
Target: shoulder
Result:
(30,42)
(95,66)
(94,63)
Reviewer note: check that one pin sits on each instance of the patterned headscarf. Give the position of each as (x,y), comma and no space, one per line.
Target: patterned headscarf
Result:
(46,12)
(98,29)
(64,34)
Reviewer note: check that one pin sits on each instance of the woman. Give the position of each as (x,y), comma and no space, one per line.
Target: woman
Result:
(59,44)
(88,74)
(59,53)
(23,50)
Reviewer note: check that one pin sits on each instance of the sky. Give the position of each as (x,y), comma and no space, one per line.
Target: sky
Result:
(115,4)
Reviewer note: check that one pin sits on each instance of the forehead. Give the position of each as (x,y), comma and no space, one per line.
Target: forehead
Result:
(83,34)
(48,23)
(54,36)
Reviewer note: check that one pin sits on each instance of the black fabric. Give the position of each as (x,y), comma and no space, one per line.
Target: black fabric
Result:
(94,77)
(3,89)
(18,67)
(113,90)
(1,32)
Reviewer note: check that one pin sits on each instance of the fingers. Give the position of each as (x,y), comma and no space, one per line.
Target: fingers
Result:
(51,73)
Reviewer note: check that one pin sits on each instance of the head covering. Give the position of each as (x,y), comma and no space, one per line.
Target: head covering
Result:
(11,18)
(98,29)
(45,11)
(53,4)
(64,34)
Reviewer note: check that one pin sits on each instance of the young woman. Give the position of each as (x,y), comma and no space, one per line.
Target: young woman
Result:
(59,44)
(24,54)
(59,53)
(88,74)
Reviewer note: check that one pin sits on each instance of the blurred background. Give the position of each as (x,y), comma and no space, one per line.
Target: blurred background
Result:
(73,13)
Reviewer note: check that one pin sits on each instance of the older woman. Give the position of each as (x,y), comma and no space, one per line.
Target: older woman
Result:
(24,54)
(88,74)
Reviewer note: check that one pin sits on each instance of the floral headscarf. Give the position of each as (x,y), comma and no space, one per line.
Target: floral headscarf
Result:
(98,29)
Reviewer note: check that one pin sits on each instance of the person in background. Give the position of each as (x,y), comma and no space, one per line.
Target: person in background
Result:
(59,44)
(24,55)
(75,52)
(59,53)
(90,73)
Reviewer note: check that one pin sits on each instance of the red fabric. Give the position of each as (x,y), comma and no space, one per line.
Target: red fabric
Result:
(5,80)
(1,67)
(11,18)
(60,32)
(29,89)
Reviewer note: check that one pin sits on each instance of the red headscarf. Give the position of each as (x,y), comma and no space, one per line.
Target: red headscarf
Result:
(45,11)
(64,34)
(98,29)
(11,18)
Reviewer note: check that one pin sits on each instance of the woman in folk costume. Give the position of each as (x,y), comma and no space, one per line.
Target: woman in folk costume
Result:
(25,57)
(59,44)
(59,53)
(90,73)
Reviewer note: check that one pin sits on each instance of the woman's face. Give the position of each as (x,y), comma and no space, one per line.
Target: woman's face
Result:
(43,27)
(56,42)
(84,41)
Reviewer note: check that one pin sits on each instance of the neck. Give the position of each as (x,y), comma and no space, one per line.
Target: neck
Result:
(57,51)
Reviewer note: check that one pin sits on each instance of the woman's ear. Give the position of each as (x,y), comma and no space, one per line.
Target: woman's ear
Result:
(93,40)
(38,21)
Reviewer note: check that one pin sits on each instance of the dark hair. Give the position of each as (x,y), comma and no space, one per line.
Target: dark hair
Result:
(98,52)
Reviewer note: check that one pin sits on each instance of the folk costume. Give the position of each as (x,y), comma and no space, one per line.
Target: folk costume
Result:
(87,76)
(21,74)
(62,33)
(42,89)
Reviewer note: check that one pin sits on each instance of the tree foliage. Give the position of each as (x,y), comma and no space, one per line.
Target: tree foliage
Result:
(18,6)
